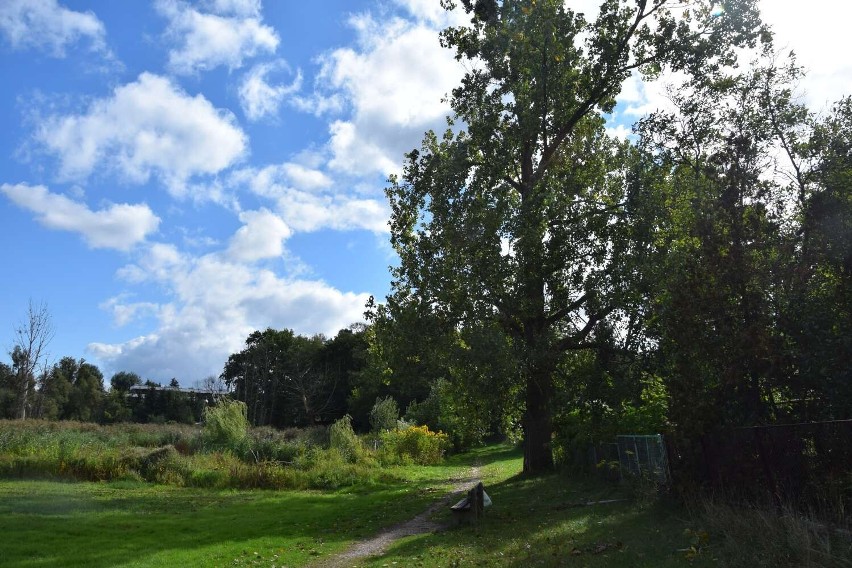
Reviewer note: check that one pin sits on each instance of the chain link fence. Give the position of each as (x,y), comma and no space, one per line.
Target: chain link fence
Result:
(645,457)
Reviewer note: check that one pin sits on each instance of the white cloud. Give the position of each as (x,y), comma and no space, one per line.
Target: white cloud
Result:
(619,131)
(305,211)
(640,98)
(319,104)
(146,127)
(258,98)
(305,178)
(44,24)
(125,312)
(431,12)
(217,303)
(306,200)
(808,29)
(802,30)
(274,180)
(209,40)
(262,236)
(244,8)
(117,226)
(393,82)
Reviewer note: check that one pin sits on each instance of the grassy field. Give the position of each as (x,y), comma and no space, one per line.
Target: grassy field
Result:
(47,523)
(546,521)
(551,520)
(536,522)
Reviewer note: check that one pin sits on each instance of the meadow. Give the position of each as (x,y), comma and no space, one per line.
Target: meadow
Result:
(49,517)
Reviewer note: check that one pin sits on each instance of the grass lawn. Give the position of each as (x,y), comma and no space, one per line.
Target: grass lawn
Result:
(534,522)
(46,523)
(544,521)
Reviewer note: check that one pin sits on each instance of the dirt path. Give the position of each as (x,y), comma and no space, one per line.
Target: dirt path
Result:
(420,524)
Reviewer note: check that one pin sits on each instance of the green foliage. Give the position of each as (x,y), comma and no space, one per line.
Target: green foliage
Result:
(601,396)
(8,395)
(427,412)
(344,441)
(122,381)
(384,415)
(415,444)
(281,446)
(159,405)
(183,456)
(226,425)
(527,221)
(291,380)
(748,307)
(115,408)
(449,408)
(70,390)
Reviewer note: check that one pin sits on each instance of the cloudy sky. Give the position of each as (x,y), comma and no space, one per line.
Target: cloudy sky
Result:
(176,174)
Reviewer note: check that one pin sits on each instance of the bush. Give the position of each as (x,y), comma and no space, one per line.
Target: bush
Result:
(579,425)
(343,439)
(416,444)
(384,414)
(226,425)
(268,444)
(159,465)
(448,410)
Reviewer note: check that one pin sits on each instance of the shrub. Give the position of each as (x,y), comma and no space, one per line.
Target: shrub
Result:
(343,439)
(226,425)
(384,414)
(416,444)
(449,410)
(155,464)
(268,444)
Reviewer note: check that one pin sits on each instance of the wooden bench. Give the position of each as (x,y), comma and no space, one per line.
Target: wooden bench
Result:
(470,508)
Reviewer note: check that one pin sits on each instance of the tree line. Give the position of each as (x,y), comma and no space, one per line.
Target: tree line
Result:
(285,379)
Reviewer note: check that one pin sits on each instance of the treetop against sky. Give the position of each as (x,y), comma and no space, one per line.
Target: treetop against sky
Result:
(175,175)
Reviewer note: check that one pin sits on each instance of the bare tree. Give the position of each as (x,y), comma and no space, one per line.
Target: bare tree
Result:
(31,339)
(215,387)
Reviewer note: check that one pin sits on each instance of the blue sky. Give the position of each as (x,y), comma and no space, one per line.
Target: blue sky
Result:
(176,174)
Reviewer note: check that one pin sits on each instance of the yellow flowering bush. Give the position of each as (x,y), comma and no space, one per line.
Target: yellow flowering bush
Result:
(414,444)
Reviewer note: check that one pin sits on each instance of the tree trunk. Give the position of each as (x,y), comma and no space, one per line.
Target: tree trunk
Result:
(537,422)
(23,396)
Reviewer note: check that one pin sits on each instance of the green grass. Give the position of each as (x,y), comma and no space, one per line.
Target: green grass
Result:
(541,521)
(127,523)
(46,523)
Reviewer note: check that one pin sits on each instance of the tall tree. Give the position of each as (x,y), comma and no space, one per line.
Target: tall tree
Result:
(522,215)
(54,389)
(819,313)
(8,392)
(73,390)
(289,379)
(721,246)
(255,374)
(116,405)
(32,337)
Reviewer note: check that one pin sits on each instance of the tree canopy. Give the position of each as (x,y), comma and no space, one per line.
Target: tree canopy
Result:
(525,212)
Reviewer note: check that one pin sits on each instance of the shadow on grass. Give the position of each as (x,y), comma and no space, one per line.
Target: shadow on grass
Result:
(544,521)
(486,455)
